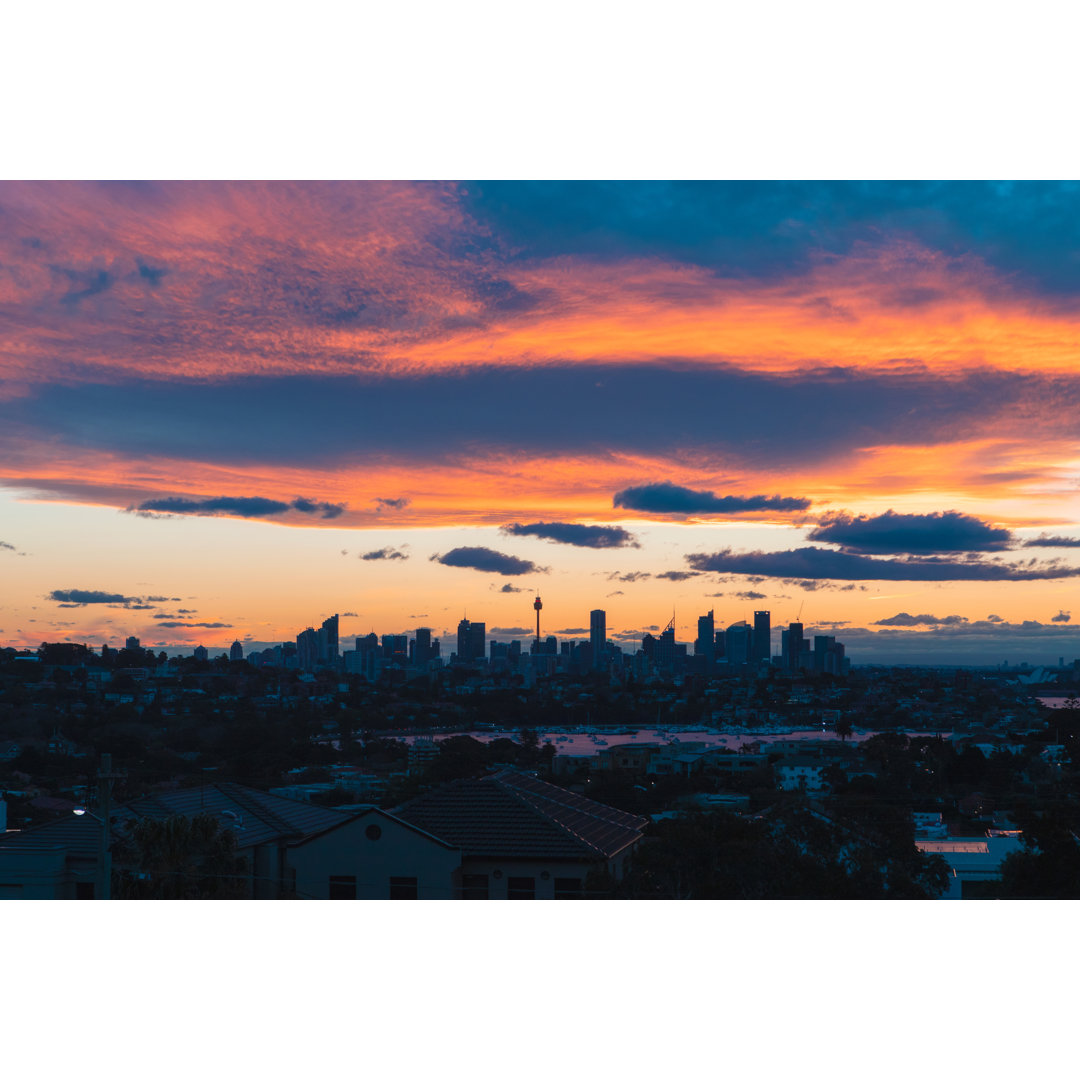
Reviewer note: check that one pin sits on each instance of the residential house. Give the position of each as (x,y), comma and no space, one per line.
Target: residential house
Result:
(523,839)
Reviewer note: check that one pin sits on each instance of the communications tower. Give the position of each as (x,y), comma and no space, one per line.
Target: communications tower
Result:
(538,606)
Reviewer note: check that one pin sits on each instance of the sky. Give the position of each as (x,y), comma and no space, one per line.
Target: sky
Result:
(229,410)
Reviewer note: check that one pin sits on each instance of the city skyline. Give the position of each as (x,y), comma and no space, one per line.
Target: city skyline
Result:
(225,405)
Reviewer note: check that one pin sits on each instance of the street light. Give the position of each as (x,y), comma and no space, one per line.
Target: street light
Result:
(103,884)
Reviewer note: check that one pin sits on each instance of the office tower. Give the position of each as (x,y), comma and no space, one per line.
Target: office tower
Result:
(762,647)
(422,645)
(131,643)
(367,644)
(705,645)
(328,641)
(200,653)
(598,637)
(666,649)
(737,643)
(471,641)
(307,649)
(236,651)
(793,655)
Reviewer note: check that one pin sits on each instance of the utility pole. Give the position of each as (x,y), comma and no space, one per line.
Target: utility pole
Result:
(105,782)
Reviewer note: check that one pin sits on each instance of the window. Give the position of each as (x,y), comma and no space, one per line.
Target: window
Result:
(474,887)
(521,888)
(373,832)
(403,888)
(84,890)
(342,888)
(568,888)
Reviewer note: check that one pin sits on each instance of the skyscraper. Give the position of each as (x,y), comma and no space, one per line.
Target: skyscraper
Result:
(236,651)
(422,649)
(307,649)
(471,641)
(762,636)
(737,643)
(598,637)
(705,645)
(793,656)
(328,641)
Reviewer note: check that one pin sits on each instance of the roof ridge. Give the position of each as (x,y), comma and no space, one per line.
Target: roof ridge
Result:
(241,796)
(520,795)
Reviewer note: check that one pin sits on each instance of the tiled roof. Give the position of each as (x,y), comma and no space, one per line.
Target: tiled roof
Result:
(513,815)
(81,836)
(259,816)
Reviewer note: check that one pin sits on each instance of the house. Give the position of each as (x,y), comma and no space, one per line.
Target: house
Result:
(973,861)
(801,774)
(523,839)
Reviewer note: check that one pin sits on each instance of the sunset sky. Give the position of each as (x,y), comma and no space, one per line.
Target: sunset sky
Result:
(232,409)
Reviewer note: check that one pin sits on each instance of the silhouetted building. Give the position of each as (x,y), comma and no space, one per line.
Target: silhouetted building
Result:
(471,641)
(762,648)
(794,646)
(737,643)
(131,643)
(307,649)
(200,653)
(422,646)
(236,651)
(328,641)
(705,644)
(598,637)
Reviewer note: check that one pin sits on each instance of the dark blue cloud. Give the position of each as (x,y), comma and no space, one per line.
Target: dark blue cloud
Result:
(560,532)
(583,408)
(85,283)
(1027,230)
(90,596)
(323,509)
(665,498)
(915,534)
(811,562)
(253,506)
(188,625)
(904,619)
(390,504)
(1052,542)
(383,553)
(489,561)
(153,274)
(677,575)
(1061,616)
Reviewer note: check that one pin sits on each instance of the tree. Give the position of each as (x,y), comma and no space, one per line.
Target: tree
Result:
(179,858)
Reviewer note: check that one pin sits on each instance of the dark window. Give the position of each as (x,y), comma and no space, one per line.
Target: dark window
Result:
(403,888)
(373,832)
(521,888)
(342,888)
(474,887)
(84,890)
(568,888)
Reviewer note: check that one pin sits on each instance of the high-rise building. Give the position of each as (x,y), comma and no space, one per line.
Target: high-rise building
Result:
(471,641)
(762,648)
(236,651)
(705,644)
(200,653)
(307,649)
(793,654)
(598,637)
(737,643)
(328,641)
(131,643)
(422,646)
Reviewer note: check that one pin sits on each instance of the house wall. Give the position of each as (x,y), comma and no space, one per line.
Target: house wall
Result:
(347,851)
